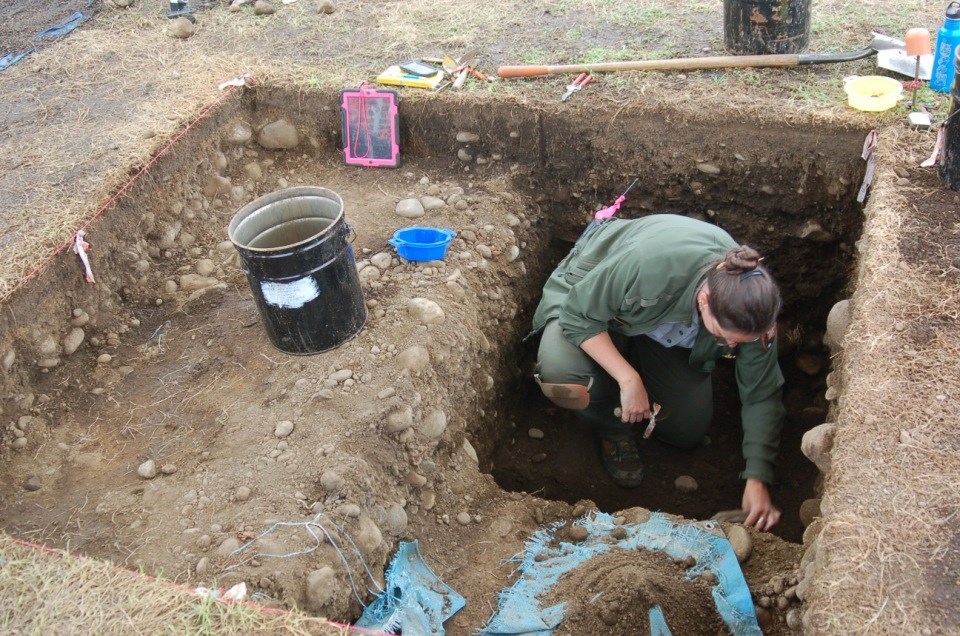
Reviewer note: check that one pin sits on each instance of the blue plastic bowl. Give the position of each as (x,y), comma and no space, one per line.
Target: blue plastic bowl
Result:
(422,243)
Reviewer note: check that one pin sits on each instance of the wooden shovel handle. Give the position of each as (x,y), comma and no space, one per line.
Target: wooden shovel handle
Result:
(679,64)
(522,71)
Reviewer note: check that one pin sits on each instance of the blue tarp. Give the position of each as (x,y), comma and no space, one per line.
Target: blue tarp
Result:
(57,31)
(542,566)
(72,23)
(12,58)
(415,601)
(658,622)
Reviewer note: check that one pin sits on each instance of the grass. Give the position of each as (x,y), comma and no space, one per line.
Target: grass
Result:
(595,56)
(814,95)
(42,591)
(633,14)
(832,25)
(939,102)
(533,56)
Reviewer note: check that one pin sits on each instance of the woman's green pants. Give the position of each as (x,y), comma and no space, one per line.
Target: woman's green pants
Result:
(684,393)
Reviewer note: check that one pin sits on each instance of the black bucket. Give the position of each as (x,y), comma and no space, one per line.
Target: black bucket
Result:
(766,27)
(294,245)
(949,168)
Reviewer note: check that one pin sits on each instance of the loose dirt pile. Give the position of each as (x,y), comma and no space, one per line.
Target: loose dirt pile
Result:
(617,589)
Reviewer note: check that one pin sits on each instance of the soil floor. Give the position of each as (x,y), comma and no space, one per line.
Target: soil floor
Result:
(195,386)
(559,465)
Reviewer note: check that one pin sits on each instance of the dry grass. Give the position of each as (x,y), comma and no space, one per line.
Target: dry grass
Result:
(74,143)
(81,112)
(47,592)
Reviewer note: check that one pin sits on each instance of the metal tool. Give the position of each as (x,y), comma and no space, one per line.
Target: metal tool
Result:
(610,211)
(578,84)
(879,43)
(179,9)
(459,68)
(898,61)
(651,424)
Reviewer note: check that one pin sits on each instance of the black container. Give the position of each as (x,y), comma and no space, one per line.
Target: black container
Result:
(294,245)
(949,168)
(766,27)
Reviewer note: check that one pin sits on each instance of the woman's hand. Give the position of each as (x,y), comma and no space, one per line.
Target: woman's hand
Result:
(634,401)
(761,513)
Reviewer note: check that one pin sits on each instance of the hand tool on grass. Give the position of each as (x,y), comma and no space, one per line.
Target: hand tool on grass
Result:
(179,9)
(879,43)
(897,60)
(578,84)
(480,75)
(459,68)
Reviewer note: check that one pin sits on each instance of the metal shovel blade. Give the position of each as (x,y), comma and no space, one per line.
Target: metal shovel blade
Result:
(893,57)
(900,62)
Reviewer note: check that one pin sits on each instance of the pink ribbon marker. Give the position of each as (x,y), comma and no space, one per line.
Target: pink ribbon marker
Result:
(609,212)
(80,248)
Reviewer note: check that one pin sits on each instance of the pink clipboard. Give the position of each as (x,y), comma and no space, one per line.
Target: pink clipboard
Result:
(371,123)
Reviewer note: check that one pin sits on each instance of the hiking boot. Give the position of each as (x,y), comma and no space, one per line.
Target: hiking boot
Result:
(621,459)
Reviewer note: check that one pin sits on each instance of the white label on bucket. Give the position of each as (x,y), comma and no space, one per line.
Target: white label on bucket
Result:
(290,295)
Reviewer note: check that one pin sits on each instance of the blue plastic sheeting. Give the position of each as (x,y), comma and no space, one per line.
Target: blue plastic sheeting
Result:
(415,601)
(57,31)
(12,58)
(658,622)
(62,29)
(542,566)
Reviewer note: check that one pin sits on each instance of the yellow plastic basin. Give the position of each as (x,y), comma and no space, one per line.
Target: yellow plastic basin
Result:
(872,92)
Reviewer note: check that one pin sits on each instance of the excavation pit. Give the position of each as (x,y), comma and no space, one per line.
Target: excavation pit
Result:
(379,436)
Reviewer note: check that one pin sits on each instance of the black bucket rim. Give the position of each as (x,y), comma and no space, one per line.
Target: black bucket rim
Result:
(275,197)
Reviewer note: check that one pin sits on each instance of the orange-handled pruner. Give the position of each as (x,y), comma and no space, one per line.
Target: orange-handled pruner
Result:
(582,80)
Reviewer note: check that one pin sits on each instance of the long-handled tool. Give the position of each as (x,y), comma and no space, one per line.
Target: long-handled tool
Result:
(879,43)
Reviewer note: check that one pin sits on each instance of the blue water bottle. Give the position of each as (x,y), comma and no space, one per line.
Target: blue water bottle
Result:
(948,38)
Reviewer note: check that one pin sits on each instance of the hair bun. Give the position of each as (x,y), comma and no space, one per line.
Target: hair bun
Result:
(740,260)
